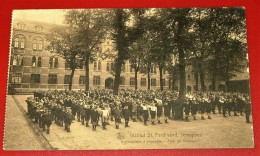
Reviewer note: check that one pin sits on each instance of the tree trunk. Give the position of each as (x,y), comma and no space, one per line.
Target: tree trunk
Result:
(136,78)
(182,91)
(148,77)
(87,73)
(161,78)
(227,75)
(117,75)
(170,84)
(227,85)
(71,77)
(197,80)
(215,66)
(173,83)
(173,80)
(202,77)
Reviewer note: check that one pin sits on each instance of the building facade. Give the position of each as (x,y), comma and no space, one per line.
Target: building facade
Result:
(33,67)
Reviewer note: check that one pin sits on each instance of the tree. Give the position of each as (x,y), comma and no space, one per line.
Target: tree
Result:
(173,68)
(145,44)
(178,26)
(91,27)
(124,32)
(228,46)
(63,41)
(161,49)
(136,49)
(201,39)
(136,57)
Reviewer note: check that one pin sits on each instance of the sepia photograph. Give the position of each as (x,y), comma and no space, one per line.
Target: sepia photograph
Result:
(140,78)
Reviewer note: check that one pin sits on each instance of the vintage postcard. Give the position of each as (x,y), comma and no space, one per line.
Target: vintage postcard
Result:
(150,78)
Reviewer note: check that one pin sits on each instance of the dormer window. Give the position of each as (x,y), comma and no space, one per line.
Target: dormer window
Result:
(20,26)
(38,29)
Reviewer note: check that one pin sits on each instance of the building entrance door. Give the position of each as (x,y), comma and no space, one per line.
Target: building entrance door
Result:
(109,83)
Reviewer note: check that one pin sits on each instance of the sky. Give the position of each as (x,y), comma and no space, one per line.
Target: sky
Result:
(53,16)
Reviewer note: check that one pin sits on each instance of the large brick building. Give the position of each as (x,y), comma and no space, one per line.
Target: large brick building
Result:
(33,67)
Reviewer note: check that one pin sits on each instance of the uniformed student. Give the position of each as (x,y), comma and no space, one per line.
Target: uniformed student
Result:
(187,106)
(208,107)
(117,116)
(105,117)
(202,108)
(194,108)
(229,105)
(153,110)
(126,114)
(145,113)
(159,105)
(88,113)
(166,111)
(247,109)
(223,103)
(94,118)
(134,112)
(68,117)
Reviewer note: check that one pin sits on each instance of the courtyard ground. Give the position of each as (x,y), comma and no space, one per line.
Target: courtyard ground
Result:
(231,132)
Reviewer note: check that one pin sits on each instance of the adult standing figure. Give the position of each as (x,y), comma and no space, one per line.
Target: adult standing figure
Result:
(47,120)
(68,117)
(167,109)
(88,114)
(117,116)
(94,118)
(247,109)
(241,104)
(126,114)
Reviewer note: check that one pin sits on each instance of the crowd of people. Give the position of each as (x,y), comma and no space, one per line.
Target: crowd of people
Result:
(101,106)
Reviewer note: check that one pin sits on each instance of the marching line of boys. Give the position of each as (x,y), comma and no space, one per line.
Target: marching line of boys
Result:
(102,106)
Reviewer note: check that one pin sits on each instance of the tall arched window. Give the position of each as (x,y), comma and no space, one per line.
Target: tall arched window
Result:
(56,63)
(40,45)
(34,44)
(95,65)
(16,42)
(17,60)
(37,43)
(188,76)
(99,65)
(51,62)
(108,66)
(39,61)
(19,41)
(33,61)
(22,43)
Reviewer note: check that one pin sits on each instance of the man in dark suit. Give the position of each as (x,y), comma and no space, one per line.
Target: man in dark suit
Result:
(126,114)
(94,118)
(247,109)
(117,115)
